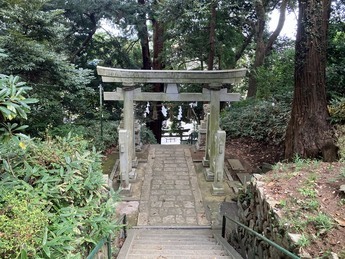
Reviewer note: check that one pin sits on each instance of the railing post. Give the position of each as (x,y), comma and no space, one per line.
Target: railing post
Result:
(223,226)
(109,247)
(125,225)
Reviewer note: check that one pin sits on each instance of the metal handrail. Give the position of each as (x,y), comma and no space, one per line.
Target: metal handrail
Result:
(122,220)
(281,249)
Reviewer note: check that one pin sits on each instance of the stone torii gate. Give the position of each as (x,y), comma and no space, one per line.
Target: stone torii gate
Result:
(213,92)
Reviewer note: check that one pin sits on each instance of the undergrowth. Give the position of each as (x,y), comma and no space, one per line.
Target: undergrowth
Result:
(262,120)
(53,199)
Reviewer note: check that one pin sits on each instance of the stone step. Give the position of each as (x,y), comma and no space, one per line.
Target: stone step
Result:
(180,247)
(173,243)
(138,256)
(173,237)
(174,252)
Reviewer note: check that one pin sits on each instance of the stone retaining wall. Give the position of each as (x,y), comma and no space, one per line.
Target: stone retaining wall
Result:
(257,212)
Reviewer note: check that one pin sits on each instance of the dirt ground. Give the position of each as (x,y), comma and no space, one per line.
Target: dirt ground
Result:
(307,193)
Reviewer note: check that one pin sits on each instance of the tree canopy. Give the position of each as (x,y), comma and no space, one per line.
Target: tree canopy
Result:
(55,45)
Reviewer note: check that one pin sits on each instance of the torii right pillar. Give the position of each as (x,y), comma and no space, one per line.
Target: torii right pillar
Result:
(215,147)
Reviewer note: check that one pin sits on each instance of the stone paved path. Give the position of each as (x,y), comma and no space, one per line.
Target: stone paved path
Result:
(170,194)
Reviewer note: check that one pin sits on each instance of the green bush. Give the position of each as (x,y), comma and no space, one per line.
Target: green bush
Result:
(337,110)
(262,120)
(340,134)
(23,221)
(68,179)
(91,130)
(147,136)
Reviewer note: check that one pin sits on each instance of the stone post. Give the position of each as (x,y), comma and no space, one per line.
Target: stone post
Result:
(137,137)
(218,183)
(206,158)
(213,127)
(202,130)
(125,163)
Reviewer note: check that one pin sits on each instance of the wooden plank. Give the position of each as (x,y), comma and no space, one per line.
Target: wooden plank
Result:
(232,184)
(130,76)
(235,165)
(244,177)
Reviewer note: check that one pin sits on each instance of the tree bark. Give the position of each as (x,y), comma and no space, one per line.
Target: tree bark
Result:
(263,48)
(144,39)
(158,64)
(309,133)
(212,36)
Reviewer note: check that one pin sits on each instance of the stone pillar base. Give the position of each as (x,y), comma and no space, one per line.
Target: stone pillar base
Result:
(135,162)
(217,189)
(205,162)
(126,191)
(132,176)
(209,175)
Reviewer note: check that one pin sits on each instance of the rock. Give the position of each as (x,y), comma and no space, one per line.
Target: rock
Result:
(295,237)
(334,256)
(342,188)
(304,254)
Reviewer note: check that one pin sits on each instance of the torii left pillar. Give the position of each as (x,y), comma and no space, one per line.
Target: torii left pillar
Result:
(128,124)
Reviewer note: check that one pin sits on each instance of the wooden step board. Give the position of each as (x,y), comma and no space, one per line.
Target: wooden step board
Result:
(237,168)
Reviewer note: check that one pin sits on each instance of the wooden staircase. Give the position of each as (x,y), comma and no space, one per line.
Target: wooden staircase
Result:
(167,243)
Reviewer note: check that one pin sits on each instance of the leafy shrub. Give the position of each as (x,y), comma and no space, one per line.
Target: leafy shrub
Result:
(13,104)
(340,134)
(68,178)
(23,221)
(263,120)
(91,130)
(337,110)
(147,136)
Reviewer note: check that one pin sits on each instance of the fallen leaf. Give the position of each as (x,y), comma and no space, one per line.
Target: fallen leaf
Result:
(341,222)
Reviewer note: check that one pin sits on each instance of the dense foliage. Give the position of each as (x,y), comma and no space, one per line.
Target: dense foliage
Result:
(263,120)
(53,198)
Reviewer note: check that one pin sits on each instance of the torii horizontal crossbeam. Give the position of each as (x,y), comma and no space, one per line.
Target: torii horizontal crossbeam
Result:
(130,76)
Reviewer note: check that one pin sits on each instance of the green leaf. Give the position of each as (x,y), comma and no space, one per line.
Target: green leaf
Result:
(5,111)
(46,250)
(30,100)
(3,92)
(23,254)
(22,127)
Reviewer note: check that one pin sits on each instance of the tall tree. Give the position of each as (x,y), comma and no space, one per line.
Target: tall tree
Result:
(335,53)
(144,36)
(157,64)
(34,40)
(212,35)
(309,134)
(263,47)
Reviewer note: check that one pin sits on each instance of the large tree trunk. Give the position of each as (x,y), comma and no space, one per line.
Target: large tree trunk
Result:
(158,64)
(212,36)
(144,39)
(309,134)
(262,48)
